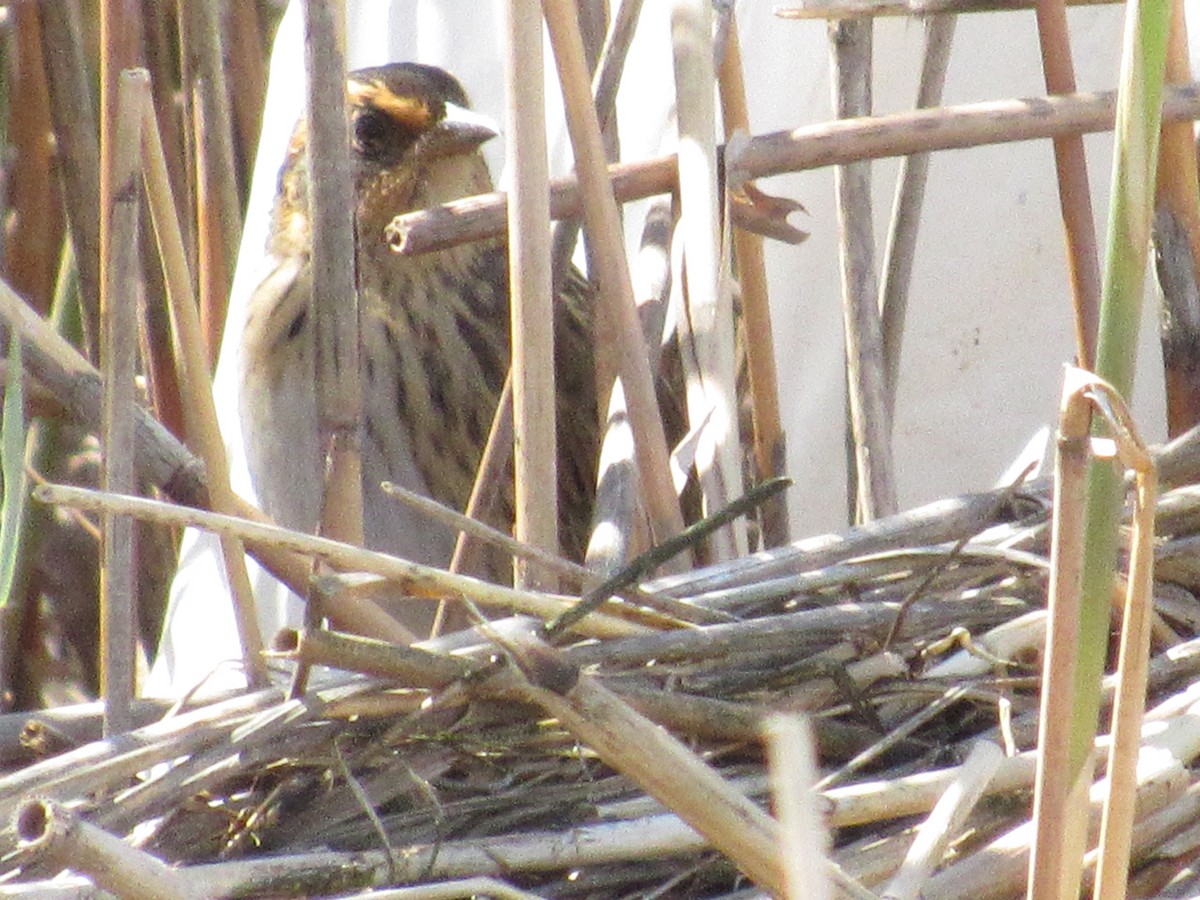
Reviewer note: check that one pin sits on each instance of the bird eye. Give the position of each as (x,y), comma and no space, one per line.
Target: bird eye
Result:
(371,130)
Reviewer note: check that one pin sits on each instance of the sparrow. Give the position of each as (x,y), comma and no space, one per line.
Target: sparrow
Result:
(435,330)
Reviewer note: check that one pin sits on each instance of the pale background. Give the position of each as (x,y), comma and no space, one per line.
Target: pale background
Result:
(989,322)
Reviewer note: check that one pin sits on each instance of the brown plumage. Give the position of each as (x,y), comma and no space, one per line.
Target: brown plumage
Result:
(435,329)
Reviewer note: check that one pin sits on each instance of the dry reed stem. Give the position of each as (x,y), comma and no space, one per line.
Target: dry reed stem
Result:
(852,9)
(248,70)
(450,890)
(900,252)
(803,841)
(649,755)
(605,239)
(1177,244)
(1116,829)
(212,266)
(944,822)
(1074,192)
(769,440)
(119,758)
(496,454)
(334,289)
(531,290)
(51,833)
(706,327)
(118,320)
(1058,817)
(616,523)
(410,666)
(619,528)
(800,149)
(870,425)
(78,151)
(34,202)
(554,565)
(168,69)
(218,208)
(200,412)
(696,716)
(999,869)
(423,582)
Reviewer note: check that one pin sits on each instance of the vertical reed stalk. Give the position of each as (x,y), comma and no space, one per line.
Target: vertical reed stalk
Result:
(1055,867)
(769,440)
(118,346)
(531,283)
(335,293)
(602,223)
(870,424)
(200,413)
(711,383)
(1074,193)
(901,249)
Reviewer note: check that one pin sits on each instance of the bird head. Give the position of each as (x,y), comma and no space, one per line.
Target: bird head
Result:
(414,143)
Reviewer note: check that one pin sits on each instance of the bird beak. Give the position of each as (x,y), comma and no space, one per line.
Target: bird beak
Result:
(462,130)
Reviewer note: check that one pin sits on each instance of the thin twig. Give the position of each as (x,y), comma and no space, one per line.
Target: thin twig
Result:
(657,554)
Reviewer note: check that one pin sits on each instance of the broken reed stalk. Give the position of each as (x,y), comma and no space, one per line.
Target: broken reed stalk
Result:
(706,331)
(605,238)
(1074,192)
(334,284)
(870,425)
(1177,246)
(531,290)
(769,440)
(900,252)
(1116,830)
(1054,794)
(118,324)
(192,360)
(51,833)
(617,525)
(801,149)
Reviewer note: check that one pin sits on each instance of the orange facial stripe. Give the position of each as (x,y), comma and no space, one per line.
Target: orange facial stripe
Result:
(409,111)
